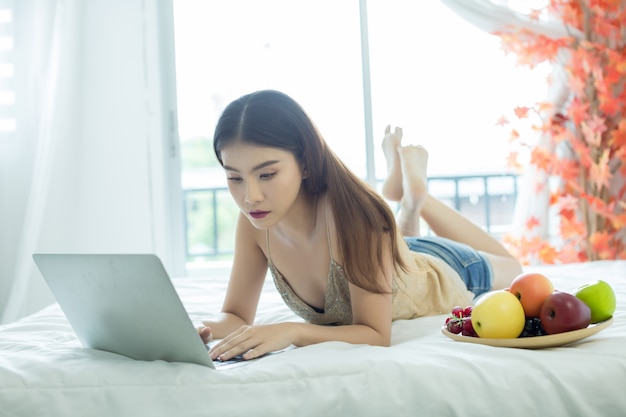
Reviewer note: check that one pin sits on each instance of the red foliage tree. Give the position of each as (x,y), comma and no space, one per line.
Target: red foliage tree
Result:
(587,135)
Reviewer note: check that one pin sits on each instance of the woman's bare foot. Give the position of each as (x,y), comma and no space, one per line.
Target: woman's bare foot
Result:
(392,187)
(413,163)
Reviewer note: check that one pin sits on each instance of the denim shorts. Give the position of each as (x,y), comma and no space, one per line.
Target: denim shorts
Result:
(473,267)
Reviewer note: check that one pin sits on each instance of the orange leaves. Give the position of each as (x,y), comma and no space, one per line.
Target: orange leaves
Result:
(601,244)
(502,121)
(567,203)
(609,104)
(600,172)
(592,130)
(512,162)
(618,136)
(530,48)
(541,158)
(578,110)
(567,169)
(531,250)
(548,254)
(605,17)
(521,112)
(619,222)
(584,139)
(570,227)
(532,223)
(570,12)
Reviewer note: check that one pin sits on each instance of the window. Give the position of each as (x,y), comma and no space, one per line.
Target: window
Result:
(224,49)
(444,81)
(7,93)
(309,50)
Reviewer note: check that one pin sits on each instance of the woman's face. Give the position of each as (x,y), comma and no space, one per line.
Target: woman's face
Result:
(264,182)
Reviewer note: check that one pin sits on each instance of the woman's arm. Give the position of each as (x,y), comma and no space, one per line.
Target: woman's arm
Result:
(371,325)
(371,314)
(255,341)
(245,283)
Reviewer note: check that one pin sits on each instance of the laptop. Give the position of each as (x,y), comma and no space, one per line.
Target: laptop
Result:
(125,304)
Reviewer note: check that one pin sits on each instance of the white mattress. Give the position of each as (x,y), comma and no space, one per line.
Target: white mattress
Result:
(45,371)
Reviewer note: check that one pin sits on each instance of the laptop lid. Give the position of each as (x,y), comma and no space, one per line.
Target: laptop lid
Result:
(125,304)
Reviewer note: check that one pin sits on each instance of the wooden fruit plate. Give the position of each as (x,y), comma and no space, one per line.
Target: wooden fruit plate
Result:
(535,342)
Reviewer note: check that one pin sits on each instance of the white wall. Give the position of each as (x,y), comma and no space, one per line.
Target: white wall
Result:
(108,177)
(124,194)
(114,175)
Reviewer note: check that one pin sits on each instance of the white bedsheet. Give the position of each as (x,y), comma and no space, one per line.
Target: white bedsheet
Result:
(44,371)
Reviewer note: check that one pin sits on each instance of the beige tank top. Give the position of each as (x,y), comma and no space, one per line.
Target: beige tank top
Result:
(429,287)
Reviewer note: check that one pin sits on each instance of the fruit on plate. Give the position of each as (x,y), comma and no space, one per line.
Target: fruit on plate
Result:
(533,328)
(600,298)
(498,314)
(531,289)
(563,312)
(468,327)
(454,325)
(459,321)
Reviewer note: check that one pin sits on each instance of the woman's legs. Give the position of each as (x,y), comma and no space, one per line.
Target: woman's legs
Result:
(443,220)
(447,222)
(406,170)
(392,188)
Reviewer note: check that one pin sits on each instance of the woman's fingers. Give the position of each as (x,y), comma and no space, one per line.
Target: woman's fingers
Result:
(245,349)
(253,341)
(205,334)
(240,342)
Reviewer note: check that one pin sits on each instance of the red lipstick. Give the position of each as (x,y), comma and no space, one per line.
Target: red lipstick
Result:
(259,214)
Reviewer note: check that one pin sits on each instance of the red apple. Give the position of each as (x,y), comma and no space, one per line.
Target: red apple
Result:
(531,289)
(563,312)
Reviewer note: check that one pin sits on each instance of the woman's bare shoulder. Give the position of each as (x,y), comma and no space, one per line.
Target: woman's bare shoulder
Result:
(250,236)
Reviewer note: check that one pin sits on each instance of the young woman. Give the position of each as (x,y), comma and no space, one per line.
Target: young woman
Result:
(331,243)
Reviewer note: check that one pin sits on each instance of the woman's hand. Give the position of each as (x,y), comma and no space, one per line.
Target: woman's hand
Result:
(206,334)
(254,341)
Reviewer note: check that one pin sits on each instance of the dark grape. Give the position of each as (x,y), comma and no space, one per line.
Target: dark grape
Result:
(533,327)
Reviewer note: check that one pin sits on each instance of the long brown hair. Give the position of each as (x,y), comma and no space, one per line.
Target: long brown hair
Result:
(364,221)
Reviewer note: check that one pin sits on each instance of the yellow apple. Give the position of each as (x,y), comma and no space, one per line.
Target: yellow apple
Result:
(499,315)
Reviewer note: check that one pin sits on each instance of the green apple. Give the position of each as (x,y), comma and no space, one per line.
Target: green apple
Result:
(498,314)
(600,298)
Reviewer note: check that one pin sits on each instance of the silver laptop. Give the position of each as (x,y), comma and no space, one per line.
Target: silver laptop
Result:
(124,304)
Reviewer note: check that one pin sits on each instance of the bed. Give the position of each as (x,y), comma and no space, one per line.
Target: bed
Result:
(44,371)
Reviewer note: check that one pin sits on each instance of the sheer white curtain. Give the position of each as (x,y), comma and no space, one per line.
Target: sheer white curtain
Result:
(493,16)
(498,15)
(89,167)
(45,52)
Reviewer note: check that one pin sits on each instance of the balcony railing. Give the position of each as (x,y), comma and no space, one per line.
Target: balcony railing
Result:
(487,199)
